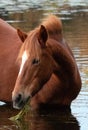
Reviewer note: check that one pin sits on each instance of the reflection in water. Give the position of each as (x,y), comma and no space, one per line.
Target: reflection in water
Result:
(5,113)
(53,121)
(27,14)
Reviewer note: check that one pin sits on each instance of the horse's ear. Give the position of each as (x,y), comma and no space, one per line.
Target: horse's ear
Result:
(22,35)
(43,36)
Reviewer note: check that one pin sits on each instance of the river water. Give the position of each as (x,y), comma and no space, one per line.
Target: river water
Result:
(27,14)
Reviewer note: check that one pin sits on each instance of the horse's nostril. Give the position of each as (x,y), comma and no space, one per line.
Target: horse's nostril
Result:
(18,98)
(18,101)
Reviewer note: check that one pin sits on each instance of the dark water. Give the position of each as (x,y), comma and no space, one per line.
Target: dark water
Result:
(27,14)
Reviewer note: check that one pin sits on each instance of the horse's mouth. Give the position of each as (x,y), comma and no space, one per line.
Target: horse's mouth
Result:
(19,105)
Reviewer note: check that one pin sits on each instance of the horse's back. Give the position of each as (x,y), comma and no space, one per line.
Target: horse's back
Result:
(9,47)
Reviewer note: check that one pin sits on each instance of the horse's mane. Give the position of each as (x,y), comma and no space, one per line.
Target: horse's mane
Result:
(54,27)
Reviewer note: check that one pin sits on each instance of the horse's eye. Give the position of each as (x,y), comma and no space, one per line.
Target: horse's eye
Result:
(35,61)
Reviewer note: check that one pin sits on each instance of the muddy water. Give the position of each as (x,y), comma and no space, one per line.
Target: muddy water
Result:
(27,14)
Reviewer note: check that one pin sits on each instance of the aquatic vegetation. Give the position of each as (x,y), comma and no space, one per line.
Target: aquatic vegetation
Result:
(21,114)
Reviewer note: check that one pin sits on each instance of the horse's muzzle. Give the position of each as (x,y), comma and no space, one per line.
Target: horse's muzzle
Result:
(19,101)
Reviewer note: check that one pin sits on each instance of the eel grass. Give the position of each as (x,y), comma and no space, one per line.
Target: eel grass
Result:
(21,114)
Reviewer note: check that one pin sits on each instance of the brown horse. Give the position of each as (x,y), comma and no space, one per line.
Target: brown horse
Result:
(46,68)
(9,48)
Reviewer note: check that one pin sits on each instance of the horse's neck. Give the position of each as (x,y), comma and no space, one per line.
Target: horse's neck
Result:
(64,58)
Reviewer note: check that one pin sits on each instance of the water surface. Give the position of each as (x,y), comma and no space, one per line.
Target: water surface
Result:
(27,14)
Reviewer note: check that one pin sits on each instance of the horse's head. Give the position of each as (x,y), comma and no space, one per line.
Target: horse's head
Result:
(36,66)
